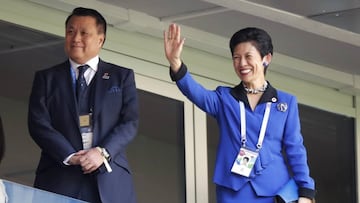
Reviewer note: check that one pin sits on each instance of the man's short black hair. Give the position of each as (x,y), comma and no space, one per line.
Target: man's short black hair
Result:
(100,20)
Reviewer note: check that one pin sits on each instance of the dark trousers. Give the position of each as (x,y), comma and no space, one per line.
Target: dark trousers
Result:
(89,191)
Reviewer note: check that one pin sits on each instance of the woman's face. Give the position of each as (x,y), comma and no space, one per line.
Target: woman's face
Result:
(248,63)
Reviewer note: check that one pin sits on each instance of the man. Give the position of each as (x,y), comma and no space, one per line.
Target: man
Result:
(83,131)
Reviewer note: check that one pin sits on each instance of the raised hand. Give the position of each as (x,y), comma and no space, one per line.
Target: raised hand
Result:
(173,44)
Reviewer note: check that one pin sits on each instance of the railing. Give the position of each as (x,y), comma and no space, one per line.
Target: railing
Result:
(18,193)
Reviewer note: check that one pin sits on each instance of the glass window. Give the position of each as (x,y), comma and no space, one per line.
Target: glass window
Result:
(157,155)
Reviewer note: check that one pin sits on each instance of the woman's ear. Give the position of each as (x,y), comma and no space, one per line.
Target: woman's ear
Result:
(265,64)
(267,60)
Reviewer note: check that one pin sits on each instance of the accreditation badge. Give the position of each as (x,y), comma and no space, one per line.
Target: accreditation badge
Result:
(244,162)
(86,130)
(84,120)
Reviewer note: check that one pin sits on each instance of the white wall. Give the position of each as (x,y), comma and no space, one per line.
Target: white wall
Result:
(20,148)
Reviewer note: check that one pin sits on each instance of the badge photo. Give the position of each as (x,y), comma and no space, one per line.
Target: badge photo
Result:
(244,162)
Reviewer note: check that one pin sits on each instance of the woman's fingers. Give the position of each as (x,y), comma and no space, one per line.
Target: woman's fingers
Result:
(173,46)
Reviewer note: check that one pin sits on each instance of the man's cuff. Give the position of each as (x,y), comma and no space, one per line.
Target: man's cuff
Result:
(66,161)
(180,74)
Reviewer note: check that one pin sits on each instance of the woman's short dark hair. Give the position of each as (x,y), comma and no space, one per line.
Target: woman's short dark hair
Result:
(100,20)
(258,37)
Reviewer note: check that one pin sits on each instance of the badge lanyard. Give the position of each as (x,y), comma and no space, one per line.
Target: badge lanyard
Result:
(263,125)
(73,77)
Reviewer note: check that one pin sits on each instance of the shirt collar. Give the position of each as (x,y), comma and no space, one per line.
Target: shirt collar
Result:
(93,63)
(239,93)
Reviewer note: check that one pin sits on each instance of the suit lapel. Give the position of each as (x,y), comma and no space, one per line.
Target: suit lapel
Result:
(69,85)
(101,86)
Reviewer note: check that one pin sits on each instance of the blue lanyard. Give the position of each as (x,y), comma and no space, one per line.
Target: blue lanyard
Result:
(73,76)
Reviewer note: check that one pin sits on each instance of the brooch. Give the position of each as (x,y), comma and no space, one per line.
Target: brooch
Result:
(282,107)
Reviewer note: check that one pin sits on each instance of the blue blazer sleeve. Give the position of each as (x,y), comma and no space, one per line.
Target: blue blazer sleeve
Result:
(294,147)
(116,110)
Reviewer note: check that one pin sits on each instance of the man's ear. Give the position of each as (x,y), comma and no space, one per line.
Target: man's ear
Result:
(101,40)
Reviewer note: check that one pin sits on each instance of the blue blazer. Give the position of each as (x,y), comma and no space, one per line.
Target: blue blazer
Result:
(53,124)
(270,172)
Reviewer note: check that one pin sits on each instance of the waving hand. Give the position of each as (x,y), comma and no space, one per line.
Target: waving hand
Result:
(173,44)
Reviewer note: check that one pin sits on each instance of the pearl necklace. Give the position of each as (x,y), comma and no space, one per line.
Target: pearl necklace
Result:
(256,91)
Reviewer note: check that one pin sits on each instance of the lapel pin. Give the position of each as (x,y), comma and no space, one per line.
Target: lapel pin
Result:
(106,76)
(282,107)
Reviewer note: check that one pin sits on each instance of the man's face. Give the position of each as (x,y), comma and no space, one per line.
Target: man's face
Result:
(82,39)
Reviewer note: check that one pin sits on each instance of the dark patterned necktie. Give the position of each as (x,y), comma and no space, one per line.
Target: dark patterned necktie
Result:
(81,82)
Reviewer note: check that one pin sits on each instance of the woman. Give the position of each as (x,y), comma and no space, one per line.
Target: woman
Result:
(255,120)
